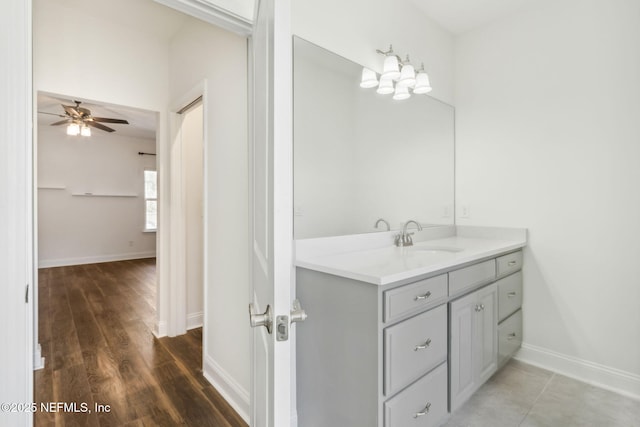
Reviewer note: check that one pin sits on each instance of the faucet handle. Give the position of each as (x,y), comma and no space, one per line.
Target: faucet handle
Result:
(408,241)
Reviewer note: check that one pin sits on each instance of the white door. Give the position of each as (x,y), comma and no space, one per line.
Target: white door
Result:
(16,219)
(271,212)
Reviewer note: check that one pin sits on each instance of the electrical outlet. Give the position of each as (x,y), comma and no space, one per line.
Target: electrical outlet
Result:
(130,243)
(465,211)
(297,209)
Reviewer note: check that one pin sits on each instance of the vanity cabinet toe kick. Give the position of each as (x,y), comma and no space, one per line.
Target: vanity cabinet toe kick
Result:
(404,355)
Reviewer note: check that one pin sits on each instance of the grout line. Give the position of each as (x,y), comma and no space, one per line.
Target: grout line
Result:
(553,375)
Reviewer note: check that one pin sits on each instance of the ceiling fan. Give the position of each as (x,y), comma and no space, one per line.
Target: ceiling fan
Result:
(81,117)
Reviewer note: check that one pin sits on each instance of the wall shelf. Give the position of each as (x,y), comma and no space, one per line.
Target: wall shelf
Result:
(103,195)
(52,187)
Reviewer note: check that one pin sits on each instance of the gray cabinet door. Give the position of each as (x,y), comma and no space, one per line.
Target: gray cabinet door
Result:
(485,348)
(474,342)
(461,312)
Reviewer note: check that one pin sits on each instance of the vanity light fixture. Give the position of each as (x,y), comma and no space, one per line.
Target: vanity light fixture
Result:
(369,79)
(397,77)
(422,82)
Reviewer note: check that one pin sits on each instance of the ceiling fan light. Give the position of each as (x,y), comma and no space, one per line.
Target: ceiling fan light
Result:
(85,130)
(73,129)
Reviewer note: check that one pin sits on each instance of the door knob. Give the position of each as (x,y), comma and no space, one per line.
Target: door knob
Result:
(258,319)
(297,313)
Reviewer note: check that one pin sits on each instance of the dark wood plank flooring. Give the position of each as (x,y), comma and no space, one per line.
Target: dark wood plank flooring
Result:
(95,324)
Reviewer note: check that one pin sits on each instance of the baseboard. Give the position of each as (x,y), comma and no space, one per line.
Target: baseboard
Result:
(615,380)
(228,387)
(195,320)
(43,263)
(161,329)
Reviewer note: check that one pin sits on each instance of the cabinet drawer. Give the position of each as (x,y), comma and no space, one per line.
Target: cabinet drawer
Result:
(509,263)
(422,404)
(509,295)
(414,347)
(468,277)
(509,337)
(412,298)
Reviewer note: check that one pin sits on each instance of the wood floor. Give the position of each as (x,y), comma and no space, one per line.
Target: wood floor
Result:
(95,325)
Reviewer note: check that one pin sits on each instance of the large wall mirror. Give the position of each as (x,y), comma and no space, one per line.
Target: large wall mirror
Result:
(360,156)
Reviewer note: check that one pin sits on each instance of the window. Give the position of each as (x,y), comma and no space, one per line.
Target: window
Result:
(150,200)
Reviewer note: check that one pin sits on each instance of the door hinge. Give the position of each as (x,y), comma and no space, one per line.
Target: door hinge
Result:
(26,294)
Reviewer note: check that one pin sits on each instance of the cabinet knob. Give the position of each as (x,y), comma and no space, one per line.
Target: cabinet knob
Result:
(421,297)
(426,344)
(425,411)
(511,294)
(512,263)
(511,336)
(479,307)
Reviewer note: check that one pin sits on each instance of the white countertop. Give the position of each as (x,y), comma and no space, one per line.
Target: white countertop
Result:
(381,263)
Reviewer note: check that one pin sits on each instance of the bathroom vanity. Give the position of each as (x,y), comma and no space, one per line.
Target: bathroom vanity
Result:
(404,336)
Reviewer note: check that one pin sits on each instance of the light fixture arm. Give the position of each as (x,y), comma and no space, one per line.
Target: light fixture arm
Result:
(389,53)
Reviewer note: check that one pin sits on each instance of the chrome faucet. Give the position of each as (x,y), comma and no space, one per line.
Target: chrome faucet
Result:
(404,238)
(382,220)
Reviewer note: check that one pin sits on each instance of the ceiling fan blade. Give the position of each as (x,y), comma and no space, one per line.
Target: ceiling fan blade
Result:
(52,114)
(61,122)
(99,126)
(106,120)
(71,110)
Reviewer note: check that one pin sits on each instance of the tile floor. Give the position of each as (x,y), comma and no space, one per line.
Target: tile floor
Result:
(521,395)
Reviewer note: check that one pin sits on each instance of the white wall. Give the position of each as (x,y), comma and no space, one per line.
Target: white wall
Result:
(76,230)
(547,138)
(356,28)
(193,154)
(200,52)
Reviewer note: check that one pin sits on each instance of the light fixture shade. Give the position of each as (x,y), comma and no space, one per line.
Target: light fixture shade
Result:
(85,130)
(73,129)
(407,76)
(402,92)
(369,79)
(391,68)
(385,87)
(422,83)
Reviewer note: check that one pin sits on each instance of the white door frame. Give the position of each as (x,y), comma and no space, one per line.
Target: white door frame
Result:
(174,293)
(16,211)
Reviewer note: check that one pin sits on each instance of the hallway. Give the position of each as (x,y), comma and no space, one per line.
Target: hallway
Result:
(95,324)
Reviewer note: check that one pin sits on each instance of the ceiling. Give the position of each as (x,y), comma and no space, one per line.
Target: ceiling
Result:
(460,16)
(142,123)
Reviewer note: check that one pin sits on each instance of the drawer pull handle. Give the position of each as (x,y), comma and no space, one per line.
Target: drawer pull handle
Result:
(421,297)
(479,307)
(511,294)
(512,263)
(426,344)
(511,336)
(425,411)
